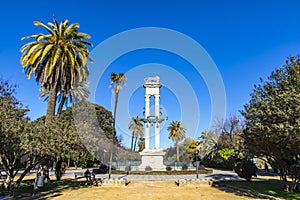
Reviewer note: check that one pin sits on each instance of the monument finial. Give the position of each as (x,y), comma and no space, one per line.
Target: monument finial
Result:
(152,80)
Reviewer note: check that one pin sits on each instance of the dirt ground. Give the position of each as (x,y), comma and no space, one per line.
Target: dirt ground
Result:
(146,190)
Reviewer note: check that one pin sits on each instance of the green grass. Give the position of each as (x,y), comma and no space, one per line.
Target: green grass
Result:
(268,187)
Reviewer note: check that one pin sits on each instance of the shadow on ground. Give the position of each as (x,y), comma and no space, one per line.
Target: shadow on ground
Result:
(223,176)
(261,188)
(223,187)
(25,190)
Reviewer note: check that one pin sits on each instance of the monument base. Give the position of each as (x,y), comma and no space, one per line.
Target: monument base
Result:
(152,160)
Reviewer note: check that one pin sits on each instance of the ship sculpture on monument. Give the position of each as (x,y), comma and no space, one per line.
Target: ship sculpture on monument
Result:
(152,158)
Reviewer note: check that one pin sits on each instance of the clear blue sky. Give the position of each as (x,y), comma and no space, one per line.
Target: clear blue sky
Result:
(245,39)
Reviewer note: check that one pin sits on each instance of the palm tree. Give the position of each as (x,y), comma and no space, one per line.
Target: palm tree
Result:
(57,59)
(80,92)
(117,80)
(177,133)
(208,145)
(136,126)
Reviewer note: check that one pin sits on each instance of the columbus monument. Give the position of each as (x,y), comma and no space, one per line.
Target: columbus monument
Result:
(152,158)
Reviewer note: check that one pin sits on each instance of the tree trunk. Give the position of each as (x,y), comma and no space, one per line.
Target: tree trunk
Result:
(115,112)
(61,105)
(58,169)
(295,186)
(113,133)
(25,172)
(132,137)
(51,105)
(10,170)
(8,183)
(285,185)
(135,143)
(177,151)
(69,160)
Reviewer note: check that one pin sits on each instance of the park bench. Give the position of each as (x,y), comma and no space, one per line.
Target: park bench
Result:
(195,182)
(80,175)
(90,178)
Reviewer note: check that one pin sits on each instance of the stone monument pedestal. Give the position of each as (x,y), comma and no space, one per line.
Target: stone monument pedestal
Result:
(154,159)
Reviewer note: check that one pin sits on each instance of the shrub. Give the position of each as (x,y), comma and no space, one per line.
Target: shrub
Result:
(168,168)
(245,169)
(148,168)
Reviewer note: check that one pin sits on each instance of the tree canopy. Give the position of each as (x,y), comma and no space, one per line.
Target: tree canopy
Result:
(136,126)
(273,119)
(24,143)
(13,121)
(177,133)
(57,59)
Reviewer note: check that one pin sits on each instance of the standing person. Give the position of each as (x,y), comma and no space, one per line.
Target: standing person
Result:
(58,172)
(46,173)
(266,167)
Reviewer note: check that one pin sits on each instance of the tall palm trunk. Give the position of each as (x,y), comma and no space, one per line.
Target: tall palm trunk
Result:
(177,151)
(132,138)
(60,107)
(51,105)
(135,143)
(113,133)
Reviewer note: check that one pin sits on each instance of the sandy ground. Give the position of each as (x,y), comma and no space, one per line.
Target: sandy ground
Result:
(145,190)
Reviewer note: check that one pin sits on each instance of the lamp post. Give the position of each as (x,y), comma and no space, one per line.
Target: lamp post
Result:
(197,163)
(104,152)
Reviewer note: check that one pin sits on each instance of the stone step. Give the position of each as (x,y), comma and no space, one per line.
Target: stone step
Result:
(195,182)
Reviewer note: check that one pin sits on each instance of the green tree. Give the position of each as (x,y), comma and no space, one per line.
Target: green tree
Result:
(273,120)
(117,80)
(136,126)
(208,144)
(22,141)
(232,150)
(44,143)
(42,140)
(13,121)
(97,131)
(177,133)
(230,132)
(189,147)
(57,59)
(141,144)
